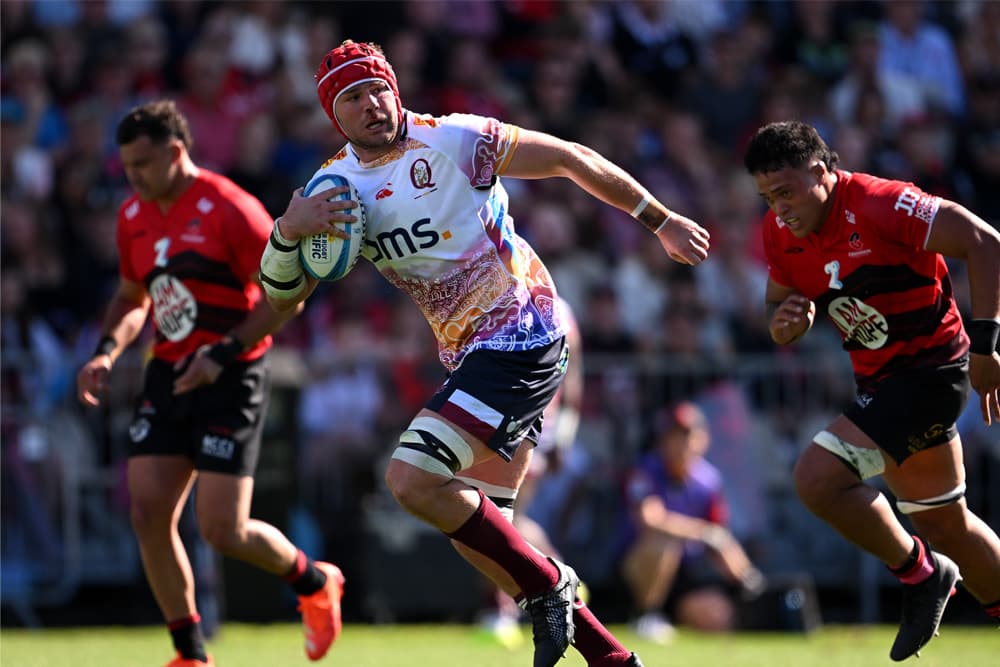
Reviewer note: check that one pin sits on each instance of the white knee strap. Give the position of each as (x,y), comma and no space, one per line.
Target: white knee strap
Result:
(913,506)
(501,496)
(867,463)
(432,445)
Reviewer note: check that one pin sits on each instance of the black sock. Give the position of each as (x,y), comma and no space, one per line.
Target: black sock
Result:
(188,640)
(911,560)
(304,577)
(993,609)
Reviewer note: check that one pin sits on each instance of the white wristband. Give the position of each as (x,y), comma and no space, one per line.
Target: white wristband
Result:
(277,233)
(641,206)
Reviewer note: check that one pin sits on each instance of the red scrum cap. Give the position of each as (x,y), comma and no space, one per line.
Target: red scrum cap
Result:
(349,64)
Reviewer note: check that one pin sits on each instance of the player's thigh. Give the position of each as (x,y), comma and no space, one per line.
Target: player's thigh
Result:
(492,471)
(158,484)
(929,473)
(222,500)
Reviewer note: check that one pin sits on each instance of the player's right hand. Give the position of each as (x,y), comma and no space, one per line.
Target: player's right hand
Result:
(684,240)
(92,380)
(316,214)
(984,375)
(792,319)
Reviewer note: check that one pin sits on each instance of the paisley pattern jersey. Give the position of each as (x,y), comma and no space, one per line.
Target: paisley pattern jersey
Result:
(438,228)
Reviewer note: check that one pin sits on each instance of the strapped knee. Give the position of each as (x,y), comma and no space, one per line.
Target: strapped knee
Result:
(914,506)
(866,463)
(501,496)
(432,445)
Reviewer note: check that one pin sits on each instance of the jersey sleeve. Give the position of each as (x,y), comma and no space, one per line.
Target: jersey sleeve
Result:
(901,211)
(482,146)
(249,222)
(769,231)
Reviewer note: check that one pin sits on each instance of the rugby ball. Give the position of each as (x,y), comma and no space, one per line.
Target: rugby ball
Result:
(325,256)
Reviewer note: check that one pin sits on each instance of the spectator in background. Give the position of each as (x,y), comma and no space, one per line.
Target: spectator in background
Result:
(900,94)
(26,91)
(147,52)
(978,144)
(922,51)
(651,45)
(254,166)
(473,83)
(217,103)
(677,554)
(814,41)
(726,95)
(732,286)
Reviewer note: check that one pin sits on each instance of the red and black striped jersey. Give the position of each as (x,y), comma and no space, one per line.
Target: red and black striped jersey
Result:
(197,262)
(867,269)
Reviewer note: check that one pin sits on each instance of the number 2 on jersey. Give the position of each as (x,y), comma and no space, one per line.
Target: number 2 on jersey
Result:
(832,269)
(161,251)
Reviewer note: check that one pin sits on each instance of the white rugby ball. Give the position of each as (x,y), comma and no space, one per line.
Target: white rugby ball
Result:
(325,256)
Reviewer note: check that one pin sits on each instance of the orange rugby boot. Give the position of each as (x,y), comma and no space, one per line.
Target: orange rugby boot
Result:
(321,612)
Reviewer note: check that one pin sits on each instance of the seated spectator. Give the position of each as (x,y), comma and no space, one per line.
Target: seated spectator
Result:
(679,557)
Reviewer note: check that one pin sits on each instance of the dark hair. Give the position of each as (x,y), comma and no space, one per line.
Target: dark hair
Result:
(788,143)
(159,120)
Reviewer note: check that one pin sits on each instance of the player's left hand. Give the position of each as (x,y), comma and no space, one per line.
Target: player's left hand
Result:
(984,375)
(684,240)
(200,371)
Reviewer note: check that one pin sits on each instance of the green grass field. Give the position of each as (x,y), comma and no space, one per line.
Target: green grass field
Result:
(279,645)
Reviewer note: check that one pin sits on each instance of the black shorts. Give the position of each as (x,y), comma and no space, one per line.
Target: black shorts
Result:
(218,426)
(913,410)
(499,397)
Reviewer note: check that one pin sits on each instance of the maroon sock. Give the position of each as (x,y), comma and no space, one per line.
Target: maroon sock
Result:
(188,640)
(594,642)
(993,609)
(489,533)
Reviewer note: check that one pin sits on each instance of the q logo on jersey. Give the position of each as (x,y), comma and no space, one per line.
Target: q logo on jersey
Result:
(420,175)
(859,322)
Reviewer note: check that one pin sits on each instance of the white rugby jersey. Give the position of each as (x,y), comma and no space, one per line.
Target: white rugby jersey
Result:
(438,229)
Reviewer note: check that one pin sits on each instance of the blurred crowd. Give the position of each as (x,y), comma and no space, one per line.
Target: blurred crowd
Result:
(669,89)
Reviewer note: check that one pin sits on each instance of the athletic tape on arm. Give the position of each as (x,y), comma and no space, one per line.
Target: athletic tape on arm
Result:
(281,271)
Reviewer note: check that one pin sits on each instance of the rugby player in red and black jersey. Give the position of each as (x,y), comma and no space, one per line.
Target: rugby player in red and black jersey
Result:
(869,253)
(189,244)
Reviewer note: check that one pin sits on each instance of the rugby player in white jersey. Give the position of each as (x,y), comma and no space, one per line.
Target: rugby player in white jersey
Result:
(438,228)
